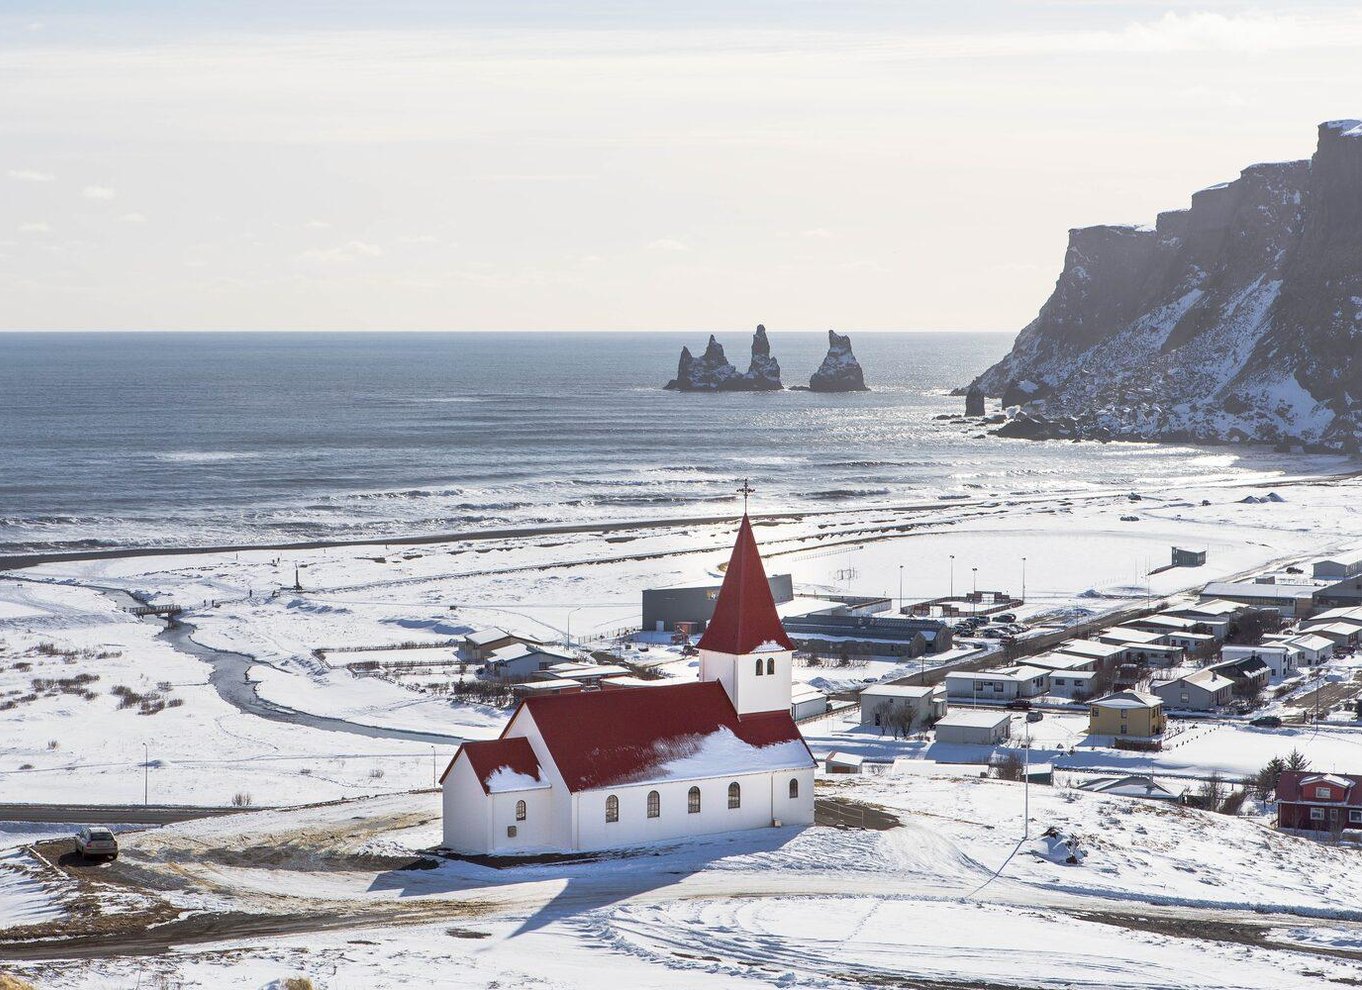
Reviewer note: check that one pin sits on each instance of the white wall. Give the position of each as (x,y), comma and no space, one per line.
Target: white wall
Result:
(748,691)
(765,796)
(465,810)
(962,688)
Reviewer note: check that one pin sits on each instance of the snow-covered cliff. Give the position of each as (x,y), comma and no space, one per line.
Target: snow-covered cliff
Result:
(1239,318)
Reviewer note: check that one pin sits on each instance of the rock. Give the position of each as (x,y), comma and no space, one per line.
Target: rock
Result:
(840,371)
(1235,319)
(711,372)
(974,401)
(763,373)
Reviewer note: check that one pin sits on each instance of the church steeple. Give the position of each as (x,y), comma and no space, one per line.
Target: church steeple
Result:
(745,648)
(745,615)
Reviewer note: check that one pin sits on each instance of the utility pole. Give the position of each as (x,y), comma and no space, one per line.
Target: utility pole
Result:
(146,774)
(900,589)
(1026,784)
(434,768)
(1023,580)
(974,595)
(952,594)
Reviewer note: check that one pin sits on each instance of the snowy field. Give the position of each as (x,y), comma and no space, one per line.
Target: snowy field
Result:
(1161,897)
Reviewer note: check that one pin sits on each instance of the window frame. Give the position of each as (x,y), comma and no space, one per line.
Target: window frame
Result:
(654,804)
(693,799)
(612,809)
(1317,814)
(770,666)
(734,796)
(521,810)
(794,788)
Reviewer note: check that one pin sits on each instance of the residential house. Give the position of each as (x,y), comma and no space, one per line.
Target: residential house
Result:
(1004,684)
(1200,691)
(480,644)
(1103,654)
(977,728)
(1337,568)
(806,702)
(1313,649)
(1319,802)
(519,662)
(1190,642)
(1074,684)
(1249,674)
(1280,658)
(1289,600)
(880,702)
(1133,715)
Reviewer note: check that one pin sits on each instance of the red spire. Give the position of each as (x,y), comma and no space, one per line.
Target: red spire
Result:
(745,615)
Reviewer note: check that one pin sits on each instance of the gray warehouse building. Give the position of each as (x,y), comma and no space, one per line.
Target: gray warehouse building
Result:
(663,608)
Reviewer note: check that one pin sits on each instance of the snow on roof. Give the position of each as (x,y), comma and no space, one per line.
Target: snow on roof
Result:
(481,637)
(1291,783)
(1090,648)
(803,606)
(1206,678)
(900,690)
(1059,661)
(606,738)
(1166,621)
(1132,785)
(805,692)
(1210,607)
(506,764)
(745,617)
(628,680)
(1310,642)
(978,719)
(517,651)
(1337,628)
(1123,635)
(1008,674)
(1251,589)
(846,759)
(588,670)
(1129,699)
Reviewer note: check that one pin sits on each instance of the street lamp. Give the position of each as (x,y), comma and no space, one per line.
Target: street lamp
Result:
(146,774)
(434,768)
(952,594)
(900,588)
(569,625)
(974,594)
(1023,580)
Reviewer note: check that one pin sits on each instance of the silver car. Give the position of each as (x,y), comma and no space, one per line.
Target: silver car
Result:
(96,842)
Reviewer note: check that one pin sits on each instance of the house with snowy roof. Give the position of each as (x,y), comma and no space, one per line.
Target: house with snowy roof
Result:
(614,768)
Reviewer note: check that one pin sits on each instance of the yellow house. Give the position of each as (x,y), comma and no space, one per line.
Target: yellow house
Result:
(1129,714)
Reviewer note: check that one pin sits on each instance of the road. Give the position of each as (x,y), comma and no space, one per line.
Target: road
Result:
(105,814)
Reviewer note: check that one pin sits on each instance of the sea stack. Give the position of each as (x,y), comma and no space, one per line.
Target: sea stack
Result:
(974,401)
(840,371)
(711,372)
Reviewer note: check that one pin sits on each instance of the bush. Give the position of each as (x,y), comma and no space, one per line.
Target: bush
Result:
(376,773)
(1233,802)
(53,744)
(298,983)
(1007,767)
(241,799)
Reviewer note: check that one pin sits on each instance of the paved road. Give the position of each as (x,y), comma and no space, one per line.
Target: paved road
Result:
(102,814)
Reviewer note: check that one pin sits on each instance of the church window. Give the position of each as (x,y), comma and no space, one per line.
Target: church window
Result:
(612,809)
(734,796)
(770,665)
(520,811)
(693,801)
(758,666)
(654,804)
(794,788)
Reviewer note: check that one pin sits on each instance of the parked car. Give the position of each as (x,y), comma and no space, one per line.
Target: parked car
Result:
(96,842)
(1019,704)
(1267,722)
(1006,617)
(1034,715)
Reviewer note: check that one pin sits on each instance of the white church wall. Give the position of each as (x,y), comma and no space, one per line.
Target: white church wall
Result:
(675,821)
(536,833)
(466,809)
(559,813)
(797,810)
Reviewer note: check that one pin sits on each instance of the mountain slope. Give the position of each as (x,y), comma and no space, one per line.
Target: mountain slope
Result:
(1239,318)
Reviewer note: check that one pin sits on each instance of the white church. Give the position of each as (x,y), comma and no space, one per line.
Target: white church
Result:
(613,768)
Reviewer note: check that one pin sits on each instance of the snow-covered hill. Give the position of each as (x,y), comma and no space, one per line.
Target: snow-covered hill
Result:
(1237,319)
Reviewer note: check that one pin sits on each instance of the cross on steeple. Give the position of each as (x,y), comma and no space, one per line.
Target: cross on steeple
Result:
(745,491)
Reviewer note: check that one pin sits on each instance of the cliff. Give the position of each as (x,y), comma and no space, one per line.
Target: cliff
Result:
(840,371)
(711,372)
(1239,318)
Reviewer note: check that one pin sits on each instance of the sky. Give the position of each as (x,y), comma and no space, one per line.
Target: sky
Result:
(859,165)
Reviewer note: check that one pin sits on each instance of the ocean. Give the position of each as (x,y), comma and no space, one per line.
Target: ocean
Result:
(167,439)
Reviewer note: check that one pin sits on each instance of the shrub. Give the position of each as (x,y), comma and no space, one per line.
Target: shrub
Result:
(241,799)
(1007,767)
(298,983)
(54,744)
(376,773)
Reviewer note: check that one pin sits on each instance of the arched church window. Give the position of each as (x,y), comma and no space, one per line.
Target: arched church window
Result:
(693,801)
(520,811)
(734,796)
(612,809)
(794,788)
(654,804)
(770,665)
(758,666)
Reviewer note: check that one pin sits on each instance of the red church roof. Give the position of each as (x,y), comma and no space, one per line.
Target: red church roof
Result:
(745,615)
(604,738)
(488,756)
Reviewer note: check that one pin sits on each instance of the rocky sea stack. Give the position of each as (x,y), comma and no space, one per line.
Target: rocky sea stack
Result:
(1239,319)
(711,372)
(840,371)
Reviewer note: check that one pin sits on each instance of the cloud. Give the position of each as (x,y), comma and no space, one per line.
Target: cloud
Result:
(97,192)
(30,175)
(133,218)
(346,253)
(35,227)
(668,245)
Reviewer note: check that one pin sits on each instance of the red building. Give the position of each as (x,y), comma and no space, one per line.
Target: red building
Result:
(1320,802)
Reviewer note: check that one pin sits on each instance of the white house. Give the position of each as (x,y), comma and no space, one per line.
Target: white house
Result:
(614,768)
(1281,658)
(927,702)
(977,728)
(1004,684)
(1077,684)
(1313,649)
